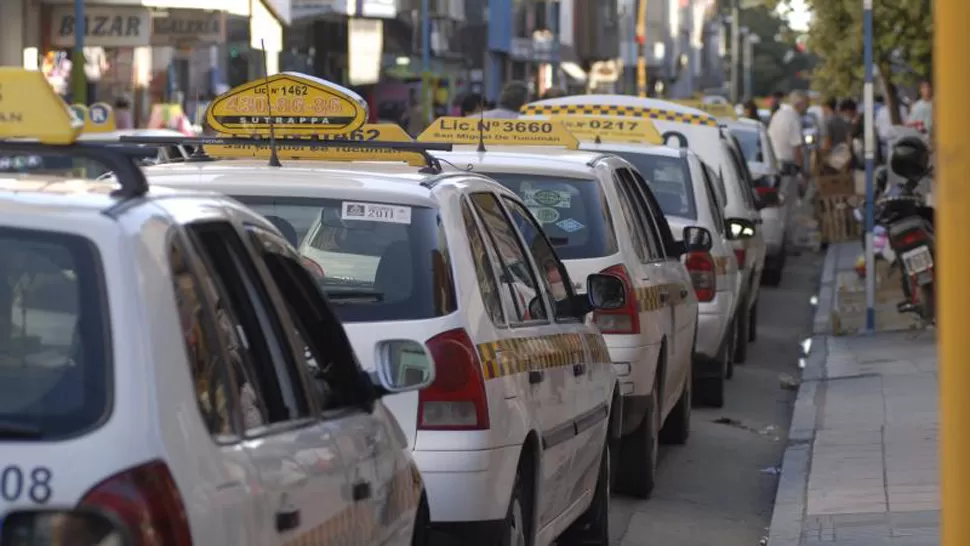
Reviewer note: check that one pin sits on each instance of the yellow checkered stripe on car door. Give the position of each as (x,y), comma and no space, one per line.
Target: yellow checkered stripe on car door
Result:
(721,265)
(513,356)
(598,352)
(346,528)
(648,297)
(659,114)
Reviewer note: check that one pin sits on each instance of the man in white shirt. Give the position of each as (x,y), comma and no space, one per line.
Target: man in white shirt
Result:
(785,130)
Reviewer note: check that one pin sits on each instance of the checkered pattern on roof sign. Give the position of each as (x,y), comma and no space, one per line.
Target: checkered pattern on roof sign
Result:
(618,111)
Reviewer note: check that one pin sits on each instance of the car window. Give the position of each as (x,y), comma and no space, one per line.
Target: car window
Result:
(669,179)
(55,362)
(375,261)
(551,271)
(750,141)
(320,339)
(205,342)
(744,176)
(572,211)
(516,274)
(270,368)
(716,213)
(484,272)
(632,204)
(657,217)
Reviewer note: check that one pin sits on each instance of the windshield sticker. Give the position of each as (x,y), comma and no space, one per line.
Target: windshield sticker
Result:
(569,225)
(392,214)
(545,215)
(547,198)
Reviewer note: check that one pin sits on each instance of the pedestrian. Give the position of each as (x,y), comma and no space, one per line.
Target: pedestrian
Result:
(785,131)
(921,115)
(514,95)
(836,144)
(472,104)
(750,110)
(123,116)
(777,98)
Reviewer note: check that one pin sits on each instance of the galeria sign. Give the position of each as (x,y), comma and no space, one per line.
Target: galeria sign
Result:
(625,130)
(520,132)
(295,104)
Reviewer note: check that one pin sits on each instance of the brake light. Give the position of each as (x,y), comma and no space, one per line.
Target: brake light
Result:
(625,320)
(703,275)
(456,400)
(742,255)
(912,237)
(313,267)
(147,501)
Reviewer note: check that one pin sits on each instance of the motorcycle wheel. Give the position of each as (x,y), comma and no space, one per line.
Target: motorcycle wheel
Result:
(927,303)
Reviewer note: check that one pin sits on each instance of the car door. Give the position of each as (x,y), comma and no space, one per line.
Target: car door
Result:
(590,365)
(724,260)
(681,300)
(223,462)
(384,509)
(551,389)
(306,490)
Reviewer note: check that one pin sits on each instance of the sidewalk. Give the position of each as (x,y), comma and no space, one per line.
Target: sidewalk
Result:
(861,465)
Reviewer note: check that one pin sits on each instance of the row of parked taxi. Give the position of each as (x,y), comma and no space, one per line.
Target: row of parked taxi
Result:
(312,330)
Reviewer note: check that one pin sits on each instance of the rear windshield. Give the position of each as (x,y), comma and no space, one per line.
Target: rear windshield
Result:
(54,361)
(669,178)
(750,145)
(376,261)
(572,212)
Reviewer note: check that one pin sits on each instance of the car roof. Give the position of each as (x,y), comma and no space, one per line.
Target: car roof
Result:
(609,147)
(538,159)
(378,181)
(621,100)
(744,123)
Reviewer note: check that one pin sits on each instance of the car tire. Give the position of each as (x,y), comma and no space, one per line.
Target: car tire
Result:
(709,391)
(741,324)
(593,527)
(728,359)
(676,429)
(753,322)
(516,530)
(422,524)
(637,472)
(772,276)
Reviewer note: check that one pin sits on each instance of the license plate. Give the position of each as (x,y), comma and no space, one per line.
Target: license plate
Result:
(918,260)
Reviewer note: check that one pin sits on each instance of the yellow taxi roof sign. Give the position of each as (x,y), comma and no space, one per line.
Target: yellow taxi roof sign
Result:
(98,118)
(298,148)
(621,130)
(716,109)
(30,109)
(517,132)
(299,105)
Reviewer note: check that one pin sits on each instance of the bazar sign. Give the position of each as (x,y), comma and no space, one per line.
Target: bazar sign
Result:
(115,26)
(175,26)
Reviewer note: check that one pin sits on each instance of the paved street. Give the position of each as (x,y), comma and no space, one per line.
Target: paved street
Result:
(720,487)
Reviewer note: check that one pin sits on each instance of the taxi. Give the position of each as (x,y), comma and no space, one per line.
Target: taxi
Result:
(691,128)
(513,437)
(168,363)
(602,218)
(683,187)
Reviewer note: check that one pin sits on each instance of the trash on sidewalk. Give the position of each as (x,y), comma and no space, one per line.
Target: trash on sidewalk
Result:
(788,382)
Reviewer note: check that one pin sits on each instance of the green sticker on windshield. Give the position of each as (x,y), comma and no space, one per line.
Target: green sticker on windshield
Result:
(545,215)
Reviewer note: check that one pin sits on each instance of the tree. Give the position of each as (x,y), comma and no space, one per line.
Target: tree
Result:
(776,62)
(902,45)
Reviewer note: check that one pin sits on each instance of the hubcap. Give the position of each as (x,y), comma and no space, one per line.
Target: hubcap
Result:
(517,532)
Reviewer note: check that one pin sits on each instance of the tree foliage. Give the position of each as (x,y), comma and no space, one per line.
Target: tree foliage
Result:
(776,64)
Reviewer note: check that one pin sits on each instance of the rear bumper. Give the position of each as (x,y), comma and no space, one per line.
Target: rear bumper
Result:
(712,322)
(635,364)
(468,486)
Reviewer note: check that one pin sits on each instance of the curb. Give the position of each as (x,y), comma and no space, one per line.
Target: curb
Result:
(788,514)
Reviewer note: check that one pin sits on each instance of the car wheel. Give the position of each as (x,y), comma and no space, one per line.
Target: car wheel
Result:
(676,429)
(516,530)
(753,323)
(422,524)
(728,358)
(637,472)
(593,527)
(709,391)
(772,276)
(741,334)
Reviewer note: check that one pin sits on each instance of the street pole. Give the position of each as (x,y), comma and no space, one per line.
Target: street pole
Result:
(749,40)
(952,83)
(426,60)
(79,80)
(870,156)
(735,50)
(553,27)
(642,48)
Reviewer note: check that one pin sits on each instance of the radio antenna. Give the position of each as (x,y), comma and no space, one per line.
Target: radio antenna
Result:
(481,114)
(274,158)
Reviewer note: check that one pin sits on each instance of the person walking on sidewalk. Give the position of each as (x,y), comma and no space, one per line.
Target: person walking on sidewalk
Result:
(785,131)
(514,95)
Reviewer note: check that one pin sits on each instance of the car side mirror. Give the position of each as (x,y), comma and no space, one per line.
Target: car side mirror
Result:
(403,365)
(605,292)
(80,526)
(697,239)
(740,228)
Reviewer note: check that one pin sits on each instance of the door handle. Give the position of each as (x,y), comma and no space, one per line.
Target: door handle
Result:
(579,369)
(287,519)
(360,491)
(536,376)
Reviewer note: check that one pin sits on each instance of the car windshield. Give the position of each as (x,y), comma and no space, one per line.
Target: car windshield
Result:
(54,165)
(669,179)
(750,144)
(573,212)
(375,261)
(54,359)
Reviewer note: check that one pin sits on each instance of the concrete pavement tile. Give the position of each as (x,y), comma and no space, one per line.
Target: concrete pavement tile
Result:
(819,507)
(919,489)
(906,520)
(854,520)
(914,506)
(856,532)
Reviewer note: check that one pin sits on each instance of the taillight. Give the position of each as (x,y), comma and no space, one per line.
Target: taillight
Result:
(625,320)
(911,238)
(742,255)
(147,501)
(703,274)
(456,400)
(313,267)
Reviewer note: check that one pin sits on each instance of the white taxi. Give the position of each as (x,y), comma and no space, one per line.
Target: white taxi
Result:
(167,363)
(697,130)
(512,438)
(601,219)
